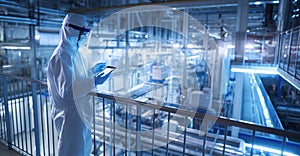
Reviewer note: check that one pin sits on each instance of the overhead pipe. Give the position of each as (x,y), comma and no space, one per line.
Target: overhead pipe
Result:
(13,5)
(52,12)
(21,9)
(26,20)
(173,4)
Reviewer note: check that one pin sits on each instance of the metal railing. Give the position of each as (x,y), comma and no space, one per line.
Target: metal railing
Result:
(270,115)
(25,120)
(290,52)
(124,127)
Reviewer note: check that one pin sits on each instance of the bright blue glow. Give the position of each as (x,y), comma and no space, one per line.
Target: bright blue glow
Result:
(251,70)
(263,104)
(269,150)
(257,3)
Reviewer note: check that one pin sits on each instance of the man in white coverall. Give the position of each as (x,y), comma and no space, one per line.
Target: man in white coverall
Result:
(69,84)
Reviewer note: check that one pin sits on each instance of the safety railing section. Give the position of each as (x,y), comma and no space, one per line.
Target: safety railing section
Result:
(289,52)
(260,49)
(123,126)
(270,116)
(25,118)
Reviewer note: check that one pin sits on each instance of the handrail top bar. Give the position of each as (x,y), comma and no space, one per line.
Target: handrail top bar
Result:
(297,28)
(24,78)
(219,119)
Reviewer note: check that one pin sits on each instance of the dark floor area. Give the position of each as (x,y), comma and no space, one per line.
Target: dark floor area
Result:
(285,99)
(4,151)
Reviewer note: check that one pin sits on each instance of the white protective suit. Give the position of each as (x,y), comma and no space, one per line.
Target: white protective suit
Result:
(69,85)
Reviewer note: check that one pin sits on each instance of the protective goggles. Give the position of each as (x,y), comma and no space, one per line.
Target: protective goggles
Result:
(82,30)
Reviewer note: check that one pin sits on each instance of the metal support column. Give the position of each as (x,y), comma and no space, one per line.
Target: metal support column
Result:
(237,101)
(33,4)
(33,43)
(242,24)
(282,20)
(138,131)
(7,115)
(279,87)
(126,80)
(36,119)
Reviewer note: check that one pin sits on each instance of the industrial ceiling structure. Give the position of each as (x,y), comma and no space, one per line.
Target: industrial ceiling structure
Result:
(217,16)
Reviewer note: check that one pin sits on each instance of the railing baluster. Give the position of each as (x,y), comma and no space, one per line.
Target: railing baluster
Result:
(129,129)
(2,136)
(252,142)
(204,137)
(20,115)
(168,133)
(94,124)
(47,120)
(113,126)
(29,115)
(103,120)
(24,114)
(11,113)
(41,106)
(126,129)
(184,136)
(138,130)
(283,145)
(110,127)
(36,119)
(153,129)
(53,139)
(7,115)
(14,105)
(225,138)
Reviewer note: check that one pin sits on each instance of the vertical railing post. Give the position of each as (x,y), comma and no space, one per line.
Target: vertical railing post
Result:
(225,138)
(283,144)
(153,129)
(204,137)
(36,119)
(111,127)
(94,126)
(168,133)
(114,126)
(103,120)
(184,137)
(252,142)
(126,129)
(138,131)
(7,115)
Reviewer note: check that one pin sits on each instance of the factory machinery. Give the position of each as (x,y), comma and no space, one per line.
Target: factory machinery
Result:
(120,136)
(117,126)
(120,124)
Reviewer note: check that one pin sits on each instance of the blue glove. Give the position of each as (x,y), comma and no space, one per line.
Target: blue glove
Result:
(99,67)
(100,79)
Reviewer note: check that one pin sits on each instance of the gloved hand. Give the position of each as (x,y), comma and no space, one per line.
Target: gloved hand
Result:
(100,79)
(98,67)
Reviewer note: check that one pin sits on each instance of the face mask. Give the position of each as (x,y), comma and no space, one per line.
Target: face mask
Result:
(82,34)
(82,38)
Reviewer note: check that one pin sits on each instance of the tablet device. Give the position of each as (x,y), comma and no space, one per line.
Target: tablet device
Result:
(107,70)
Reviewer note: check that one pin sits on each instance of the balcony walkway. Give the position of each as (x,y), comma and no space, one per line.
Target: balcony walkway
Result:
(6,152)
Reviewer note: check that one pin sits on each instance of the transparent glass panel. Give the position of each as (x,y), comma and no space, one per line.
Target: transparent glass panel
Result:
(285,48)
(293,52)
